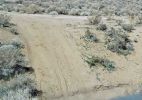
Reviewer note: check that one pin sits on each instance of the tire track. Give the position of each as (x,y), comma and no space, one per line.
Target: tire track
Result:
(58,66)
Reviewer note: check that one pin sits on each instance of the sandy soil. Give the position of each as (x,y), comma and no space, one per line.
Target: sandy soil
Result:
(54,50)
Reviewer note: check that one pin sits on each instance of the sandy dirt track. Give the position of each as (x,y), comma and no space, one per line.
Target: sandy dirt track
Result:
(60,71)
(58,65)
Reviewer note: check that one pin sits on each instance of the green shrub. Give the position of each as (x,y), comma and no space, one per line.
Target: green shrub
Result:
(94,61)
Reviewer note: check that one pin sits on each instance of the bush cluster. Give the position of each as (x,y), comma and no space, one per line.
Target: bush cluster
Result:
(4,20)
(90,37)
(74,7)
(118,41)
(95,19)
(93,61)
(16,85)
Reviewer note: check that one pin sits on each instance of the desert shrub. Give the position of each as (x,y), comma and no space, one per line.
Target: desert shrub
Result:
(93,61)
(53,13)
(74,12)
(18,94)
(118,41)
(62,10)
(35,92)
(102,27)
(106,7)
(95,19)
(6,24)
(33,9)
(8,55)
(17,89)
(50,9)
(16,42)
(45,4)
(85,13)
(17,83)
(20,8)
(58,9)
(127,27)
(89,36)
(13,30)
(4,20)
(119,22)
(139,19)
(10,72)
(4,7)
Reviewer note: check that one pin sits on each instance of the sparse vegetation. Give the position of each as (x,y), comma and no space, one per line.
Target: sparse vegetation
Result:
(140,19)
(127,27)
(33,9)
(13,71)
(102,27)
(95,61)
(4,20)
(74,7)
(89,36)
(74,12)
(20,8)
(118,41)
(108,30)
(17,88)
(119,22)
(5,23)
(13,30)
(95,19)
(17,43)
(53,13)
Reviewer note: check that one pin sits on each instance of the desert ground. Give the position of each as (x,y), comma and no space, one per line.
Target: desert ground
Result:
(70,49)
(54,49)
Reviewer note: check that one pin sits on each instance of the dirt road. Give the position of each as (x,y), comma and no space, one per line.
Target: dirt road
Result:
(60,71)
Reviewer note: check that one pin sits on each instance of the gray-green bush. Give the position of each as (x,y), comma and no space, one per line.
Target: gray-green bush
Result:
(33,9)
(95,19)
(94,61)
(102,27)
(17,83)
(118,41)
(128,27)
(4,20)
(90,37)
